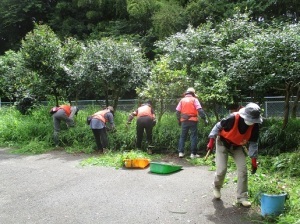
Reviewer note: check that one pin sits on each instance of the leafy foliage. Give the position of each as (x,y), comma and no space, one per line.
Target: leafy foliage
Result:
(41,50)
(113,67)
(13,77)
(163,86)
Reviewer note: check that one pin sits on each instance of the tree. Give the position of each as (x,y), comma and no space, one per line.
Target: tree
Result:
(163,86)
(200,51)
(269,60)
(110,68)
(41,50)
(15,78)
(169,19)
(71,51)
(18,17)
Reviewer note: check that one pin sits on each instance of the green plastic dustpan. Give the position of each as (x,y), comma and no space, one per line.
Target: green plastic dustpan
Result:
(163,168)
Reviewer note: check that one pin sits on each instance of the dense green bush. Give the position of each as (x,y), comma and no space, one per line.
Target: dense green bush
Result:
(275,140)
(19,130)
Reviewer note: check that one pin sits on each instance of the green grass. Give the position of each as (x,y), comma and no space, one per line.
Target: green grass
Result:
(279,155)
(116,159)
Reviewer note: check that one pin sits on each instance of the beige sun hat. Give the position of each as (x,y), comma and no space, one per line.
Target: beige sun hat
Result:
(110,108)
(191,90)
(251,113)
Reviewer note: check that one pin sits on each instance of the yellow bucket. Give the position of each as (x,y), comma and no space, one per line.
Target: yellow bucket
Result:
(136,163)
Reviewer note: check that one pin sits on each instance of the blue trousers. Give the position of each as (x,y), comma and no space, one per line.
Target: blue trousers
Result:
(187,126)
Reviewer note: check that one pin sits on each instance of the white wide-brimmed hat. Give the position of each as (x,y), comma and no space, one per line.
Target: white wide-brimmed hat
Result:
(251,113)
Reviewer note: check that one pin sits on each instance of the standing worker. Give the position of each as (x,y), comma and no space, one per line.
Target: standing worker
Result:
(233,133)
(98,126)
(145,122)
(187,112)
(65,113)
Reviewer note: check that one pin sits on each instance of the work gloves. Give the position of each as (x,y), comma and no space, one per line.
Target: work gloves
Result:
(253,165)
(211,144)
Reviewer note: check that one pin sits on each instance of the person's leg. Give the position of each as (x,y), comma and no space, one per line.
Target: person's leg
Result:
(70,120)
(183,136)
(97,136)
(139,133)
(194,138)
(221,164)
(242,181)
(148,128)
(103,137)
(56,125)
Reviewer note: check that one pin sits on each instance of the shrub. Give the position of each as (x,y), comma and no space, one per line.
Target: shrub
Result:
(18,129)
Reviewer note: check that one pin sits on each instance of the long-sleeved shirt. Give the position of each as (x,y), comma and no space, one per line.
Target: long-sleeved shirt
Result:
(227,124)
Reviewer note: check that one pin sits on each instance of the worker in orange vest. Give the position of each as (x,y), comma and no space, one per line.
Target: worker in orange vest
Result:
(232,134)
(145,122)
(63,113)
(99,129)
(187,112)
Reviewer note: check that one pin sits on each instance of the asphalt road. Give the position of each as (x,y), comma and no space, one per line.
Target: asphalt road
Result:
(53,188)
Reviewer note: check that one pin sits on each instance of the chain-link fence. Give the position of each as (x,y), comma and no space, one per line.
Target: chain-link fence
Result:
(272,106)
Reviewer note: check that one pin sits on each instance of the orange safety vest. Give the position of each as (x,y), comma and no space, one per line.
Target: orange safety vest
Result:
(188,110)
(100,115)
(66,108)
(145,110)
(234,136)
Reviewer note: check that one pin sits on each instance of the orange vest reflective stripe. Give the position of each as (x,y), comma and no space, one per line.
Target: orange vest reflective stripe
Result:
(188,110)
(144,110)
(234,135)
(100,115)
(66,108)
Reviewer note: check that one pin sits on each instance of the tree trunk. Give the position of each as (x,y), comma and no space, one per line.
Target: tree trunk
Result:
(56,100)
(287,105)
(295,104)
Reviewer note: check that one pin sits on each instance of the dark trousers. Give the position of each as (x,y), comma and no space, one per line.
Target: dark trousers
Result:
(143,124)
(100,138)
(187,126)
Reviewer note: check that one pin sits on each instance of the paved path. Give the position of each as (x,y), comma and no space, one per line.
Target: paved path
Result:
(53,188)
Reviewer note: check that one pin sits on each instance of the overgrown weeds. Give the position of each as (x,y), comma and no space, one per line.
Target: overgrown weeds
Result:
(279,167)
(116,159)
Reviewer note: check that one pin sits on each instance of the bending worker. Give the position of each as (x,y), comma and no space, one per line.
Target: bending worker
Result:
(232,133)
(145,122)
(63,113)
(98,126)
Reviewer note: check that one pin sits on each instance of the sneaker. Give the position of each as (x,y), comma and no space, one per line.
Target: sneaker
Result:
(245,203)
(217,193)
(194,156)
(181,155)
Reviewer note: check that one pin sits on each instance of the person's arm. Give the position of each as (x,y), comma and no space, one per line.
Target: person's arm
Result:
(202,115)
(178,117)
(201,112)
(131,116)
(253,148)
(226,123)
(110,118)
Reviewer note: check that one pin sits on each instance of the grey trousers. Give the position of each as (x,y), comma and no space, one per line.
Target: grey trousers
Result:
(59,116)
(240,160)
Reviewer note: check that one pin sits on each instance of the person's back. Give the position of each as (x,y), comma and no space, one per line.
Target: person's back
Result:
(145,122)
(187,112)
